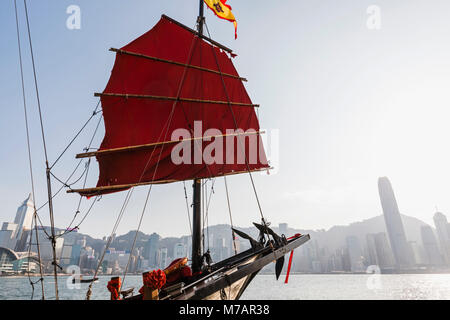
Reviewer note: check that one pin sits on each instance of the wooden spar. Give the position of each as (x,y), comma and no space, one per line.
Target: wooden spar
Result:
(139,55)
(221,46)
(141,96)
(197,232)
(156,144)
(100,190)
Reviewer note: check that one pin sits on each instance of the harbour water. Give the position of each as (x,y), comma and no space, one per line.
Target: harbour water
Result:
(300,287)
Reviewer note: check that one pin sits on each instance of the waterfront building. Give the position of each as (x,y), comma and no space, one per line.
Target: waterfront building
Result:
(118,259)
(355,254)
(385,256)
(430,245)
(179,250)
(45,245)
(163,258)
(372,257)
(442,229)
(66,254)
(17,262)
(418,253)
(402,251)
(14,235)
(8,235)
(151,250)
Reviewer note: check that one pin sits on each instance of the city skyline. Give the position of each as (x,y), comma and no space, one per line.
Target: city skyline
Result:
(347,251)
(348,106)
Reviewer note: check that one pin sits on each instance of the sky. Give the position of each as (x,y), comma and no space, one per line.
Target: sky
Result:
(349,99)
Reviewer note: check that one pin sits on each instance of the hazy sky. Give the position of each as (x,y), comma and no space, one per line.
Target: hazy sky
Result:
(350,103)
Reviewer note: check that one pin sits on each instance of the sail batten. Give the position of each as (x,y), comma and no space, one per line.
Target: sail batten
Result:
(156,144)
(143,96)
(176,63)
(168,122)
(90,192)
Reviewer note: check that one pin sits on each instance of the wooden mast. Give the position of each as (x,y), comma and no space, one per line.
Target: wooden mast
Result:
(197,213)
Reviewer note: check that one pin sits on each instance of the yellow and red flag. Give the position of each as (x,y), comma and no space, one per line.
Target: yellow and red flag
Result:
(223,11)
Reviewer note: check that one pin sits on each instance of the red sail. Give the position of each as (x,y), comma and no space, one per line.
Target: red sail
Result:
(171,77)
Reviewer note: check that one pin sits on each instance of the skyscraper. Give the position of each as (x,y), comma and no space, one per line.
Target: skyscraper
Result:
(355,254)
(442,228)
(384,252)
(430,245)
(400,247)
(14,235)
(151,250)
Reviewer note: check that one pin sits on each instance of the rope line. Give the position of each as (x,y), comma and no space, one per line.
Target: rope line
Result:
(167,126)
(242,147)
(30,165)
(77,134)
(49,191)
(187,207)
(130,192)
(231,218)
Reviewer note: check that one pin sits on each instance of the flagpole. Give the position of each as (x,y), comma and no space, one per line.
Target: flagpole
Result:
(201,17)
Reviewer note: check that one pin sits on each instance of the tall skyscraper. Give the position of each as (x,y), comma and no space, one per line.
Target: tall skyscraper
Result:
(430,245)
(384,252)
(14,235)
(402,251)
(151,250)
(372,257)
(355,254)
(442,228)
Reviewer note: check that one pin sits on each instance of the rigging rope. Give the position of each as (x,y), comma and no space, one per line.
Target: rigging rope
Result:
(231,218)
(52,222)
(30,166)
(66,184)
(78,133)
(166,126)
(119,218)
(187,206)
(236,128)
(206,216)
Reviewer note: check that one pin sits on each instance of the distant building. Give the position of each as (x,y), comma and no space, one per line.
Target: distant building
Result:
(385,256)
(220,249)
(117,259)
(151,250)
(418,253)
(17,262)
(163,258)
(372,257)
(442,228)
(179,250)
(283,229)
(14,235)
(355,254)
(45,245)
(430,246)
(8,235)
(402,251)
